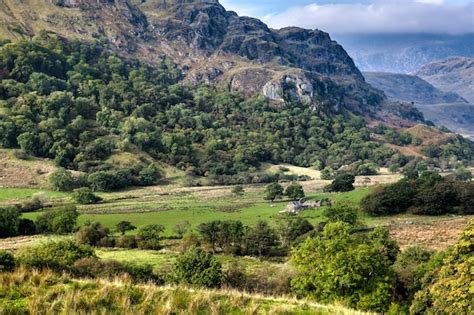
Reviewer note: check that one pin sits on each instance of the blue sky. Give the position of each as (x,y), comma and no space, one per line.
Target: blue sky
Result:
(362,16)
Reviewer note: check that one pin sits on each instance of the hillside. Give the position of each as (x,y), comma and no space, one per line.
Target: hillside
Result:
(211,44)
(455,74)
(410,88)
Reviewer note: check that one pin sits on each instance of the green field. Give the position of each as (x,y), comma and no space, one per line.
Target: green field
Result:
(141,208)
(10,194)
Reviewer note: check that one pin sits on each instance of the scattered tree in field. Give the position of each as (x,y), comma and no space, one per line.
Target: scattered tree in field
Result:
(340,266)
(238,190)
(260,239)
(294,191)
(181,228)
(198,268)
(341,212)
(368,169)
(125,226)
(273,191)
(9,221)
(94,234)
(342,183)
(59,220)
(149,236)
(61,180)
(85,196)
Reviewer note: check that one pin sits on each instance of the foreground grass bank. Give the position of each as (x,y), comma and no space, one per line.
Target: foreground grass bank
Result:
(34,292)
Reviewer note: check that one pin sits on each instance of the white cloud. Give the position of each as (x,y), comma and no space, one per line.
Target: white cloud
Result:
(386,16)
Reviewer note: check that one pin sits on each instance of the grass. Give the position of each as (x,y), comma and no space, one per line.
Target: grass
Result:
(170,210)
(9,194)
(43,292)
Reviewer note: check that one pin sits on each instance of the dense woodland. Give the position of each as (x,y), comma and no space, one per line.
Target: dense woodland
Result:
(77,104)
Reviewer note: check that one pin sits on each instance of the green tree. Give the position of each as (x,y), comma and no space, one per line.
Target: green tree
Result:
(85,196)
(125,226)
(327,174)
(463,174)
(292,228)
(340,266)
(197,268)
(238,190)
(7,261)
(294,191)
(93,234)
(61,180)
(150,235)
(342,183)
(341,212)
(260,239)
(59,220)
(9,221)
(273,191)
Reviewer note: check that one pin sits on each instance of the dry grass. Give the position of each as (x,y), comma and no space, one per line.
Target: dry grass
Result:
(48,293)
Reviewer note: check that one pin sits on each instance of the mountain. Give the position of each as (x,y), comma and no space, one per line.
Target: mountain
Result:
(410,88)
(403,53)
(211,45)
(455,74)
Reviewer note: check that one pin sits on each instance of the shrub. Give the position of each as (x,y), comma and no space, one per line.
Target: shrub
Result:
(127,241)
(181,228)
(273,191)
(37,202)
(26,227)
(59,220)
(463,174)
(58,256)
(149,236)
(149,175)
(93,234)
(9,221)
(367,169)
(61,180)
(189,240)
(85,196)
(327,174)
(198,268)
(125,226)
(294,191)
(238,190)
(7,261)
(342,183)
(340,266)
(341,213)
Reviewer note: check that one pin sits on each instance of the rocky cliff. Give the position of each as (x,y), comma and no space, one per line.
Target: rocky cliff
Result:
(211,45)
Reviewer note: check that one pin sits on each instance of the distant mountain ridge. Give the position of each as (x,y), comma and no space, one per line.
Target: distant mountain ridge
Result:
(410,88)
(455,74)
(403,53)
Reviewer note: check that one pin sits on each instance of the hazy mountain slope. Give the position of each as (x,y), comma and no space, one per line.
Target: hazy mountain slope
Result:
(455,74)
(458,117)
(410,88)
(403,53)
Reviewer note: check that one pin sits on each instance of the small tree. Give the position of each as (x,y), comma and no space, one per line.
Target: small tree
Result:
(260,239)
(85,196)
(149,236)
(292,228)
(341,213)
(125,226)
(198,268)
(60,220)
(294,191)
(9,221)
(93,234)
(342,183)
(238,190)
(181,228)
(463,174)
(327,173)
(61,180)
(7,261)
(273,191)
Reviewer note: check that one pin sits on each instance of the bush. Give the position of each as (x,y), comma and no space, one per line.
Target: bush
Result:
(37,202)
(294,191)
(181,228)
(93,234)
(61,180)
(341,213)
(9,221)
(463,174)
(273,191)
(26,227)
(125,226)
(238,190)
(327,174)
(58,256)
(367,169)
(189,240)
(340,266)
(127,241)
(7,261)
(342,183)
(149,236)
(391,199)
(198,268)
(84,196)
(59,220)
